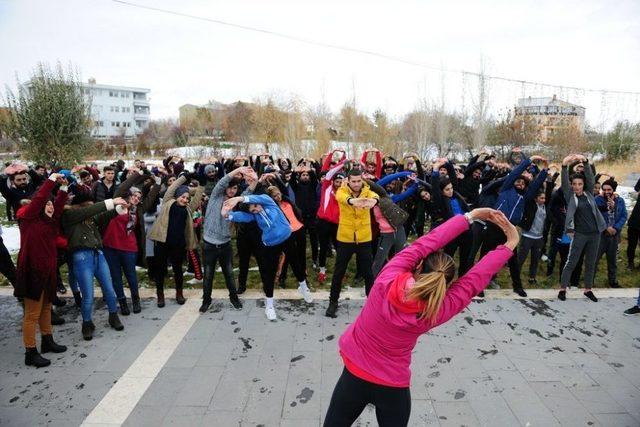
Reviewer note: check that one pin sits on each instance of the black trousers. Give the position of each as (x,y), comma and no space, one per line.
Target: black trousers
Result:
(352,394)
(477,231)
(7,268)
(299,253)
(364,262)
(269,259)
(491,239)
(248,244)
(221,254)
(310,228)
(327,233)
(164,254)
(463,244)
(633,235)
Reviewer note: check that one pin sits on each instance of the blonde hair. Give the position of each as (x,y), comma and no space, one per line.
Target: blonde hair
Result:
(271,190)
(431,286)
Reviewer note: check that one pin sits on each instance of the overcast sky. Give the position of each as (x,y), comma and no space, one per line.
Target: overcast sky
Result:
(584,43)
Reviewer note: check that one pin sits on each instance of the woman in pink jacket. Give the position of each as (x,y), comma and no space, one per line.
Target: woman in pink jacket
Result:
(412,294)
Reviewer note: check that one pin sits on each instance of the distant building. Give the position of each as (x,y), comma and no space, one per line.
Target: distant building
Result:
(116,110)
(550,114)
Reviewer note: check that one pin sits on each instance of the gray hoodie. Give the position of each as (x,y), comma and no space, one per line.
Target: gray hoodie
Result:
(572,200)
(217,230)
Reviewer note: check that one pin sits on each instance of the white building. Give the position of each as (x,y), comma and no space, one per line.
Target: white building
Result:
(117,110)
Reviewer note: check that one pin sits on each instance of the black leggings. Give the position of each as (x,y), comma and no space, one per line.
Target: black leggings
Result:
(327,233)
(352,394)
(175,255)
(269,260)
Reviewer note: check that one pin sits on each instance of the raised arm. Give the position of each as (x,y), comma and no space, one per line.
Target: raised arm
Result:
(397,198)
(535,185)
(33,209)
(408,258)
(565,184)
(514,174)
(590,180)
(387,179)
(461,291)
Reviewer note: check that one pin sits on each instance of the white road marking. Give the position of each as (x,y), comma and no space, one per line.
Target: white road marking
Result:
(116,406)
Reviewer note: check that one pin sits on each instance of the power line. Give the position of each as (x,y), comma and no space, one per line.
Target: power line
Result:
(363,51)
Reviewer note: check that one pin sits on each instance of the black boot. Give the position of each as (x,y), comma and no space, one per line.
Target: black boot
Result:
(179,296)
(58,302)
(114,322)
(49,345)
(87,330)
(124,308)
(241,289)
(77,297)
(55,319)
(235,302)
(135,304)
(205,305)
(160,294)
(332,309)
(33,358)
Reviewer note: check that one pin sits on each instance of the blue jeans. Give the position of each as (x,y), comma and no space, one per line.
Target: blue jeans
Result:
(122,261)
(638,302)
(73,282)
(87,264)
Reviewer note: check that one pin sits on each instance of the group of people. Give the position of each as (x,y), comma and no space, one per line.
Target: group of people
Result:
(105,223)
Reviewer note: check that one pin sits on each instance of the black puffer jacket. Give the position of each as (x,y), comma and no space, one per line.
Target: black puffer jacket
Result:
(634,218)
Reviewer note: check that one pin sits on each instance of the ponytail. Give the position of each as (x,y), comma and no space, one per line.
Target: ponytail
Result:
(431,286)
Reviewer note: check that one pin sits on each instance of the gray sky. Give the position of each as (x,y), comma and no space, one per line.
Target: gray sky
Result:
(585,43)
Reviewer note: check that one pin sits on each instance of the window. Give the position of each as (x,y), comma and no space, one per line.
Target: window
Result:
(112,93)
(117,109)
(99,123)
(113,124)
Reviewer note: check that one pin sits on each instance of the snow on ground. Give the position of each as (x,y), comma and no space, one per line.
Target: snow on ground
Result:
(11,237)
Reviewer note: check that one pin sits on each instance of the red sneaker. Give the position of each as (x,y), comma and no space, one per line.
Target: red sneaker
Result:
(322,277)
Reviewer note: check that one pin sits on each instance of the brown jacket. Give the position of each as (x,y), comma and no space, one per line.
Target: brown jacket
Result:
(158,232)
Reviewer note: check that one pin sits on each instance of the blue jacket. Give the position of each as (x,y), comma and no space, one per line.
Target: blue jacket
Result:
(271,220)
(620,214)
(510,202)
(397,198)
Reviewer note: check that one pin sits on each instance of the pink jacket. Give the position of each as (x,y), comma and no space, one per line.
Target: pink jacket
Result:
(380,340)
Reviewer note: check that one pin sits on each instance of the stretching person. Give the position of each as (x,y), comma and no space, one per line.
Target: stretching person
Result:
(614,212)
(328,210)
(85,247)
(39,223)
(173,234)
(123,240)
(275,234)
(217,239)
(390,218)
(355,200)
(412,294)
(583,225)
(296,241)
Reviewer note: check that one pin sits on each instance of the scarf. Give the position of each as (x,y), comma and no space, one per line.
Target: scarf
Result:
(131,224)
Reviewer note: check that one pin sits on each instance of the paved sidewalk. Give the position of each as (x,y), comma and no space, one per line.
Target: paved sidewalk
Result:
(502,362)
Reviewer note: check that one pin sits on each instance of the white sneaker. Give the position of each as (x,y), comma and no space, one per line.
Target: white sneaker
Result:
(544,258)
(306,294)
(270,312)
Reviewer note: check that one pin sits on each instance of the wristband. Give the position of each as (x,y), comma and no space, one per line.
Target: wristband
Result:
(469,218)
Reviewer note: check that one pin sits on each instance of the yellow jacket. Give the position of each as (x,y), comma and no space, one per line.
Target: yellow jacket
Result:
(354,225)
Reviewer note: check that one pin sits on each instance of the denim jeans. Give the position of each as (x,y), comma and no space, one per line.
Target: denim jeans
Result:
(87,264)
(223,255)
(119,262)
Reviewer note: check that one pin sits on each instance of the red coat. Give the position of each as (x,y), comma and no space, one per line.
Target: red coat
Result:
(37,260)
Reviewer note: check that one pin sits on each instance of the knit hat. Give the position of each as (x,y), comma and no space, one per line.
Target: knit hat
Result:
(81,197)
(338,176)
(209,168)
(181,190)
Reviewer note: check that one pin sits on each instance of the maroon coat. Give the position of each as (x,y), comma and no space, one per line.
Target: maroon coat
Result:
(37,260)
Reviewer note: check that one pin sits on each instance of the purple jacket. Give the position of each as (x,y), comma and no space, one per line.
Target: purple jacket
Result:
(381,338)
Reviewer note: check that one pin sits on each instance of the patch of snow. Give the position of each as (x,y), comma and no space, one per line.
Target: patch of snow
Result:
(11,237)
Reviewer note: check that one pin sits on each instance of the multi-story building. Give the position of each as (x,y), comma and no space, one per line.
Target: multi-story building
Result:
(550,115)
(117,110)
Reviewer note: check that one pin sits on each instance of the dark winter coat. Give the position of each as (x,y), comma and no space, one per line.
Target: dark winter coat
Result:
(37,259)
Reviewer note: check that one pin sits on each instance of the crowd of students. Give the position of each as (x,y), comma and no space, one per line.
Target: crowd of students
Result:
(105,223)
